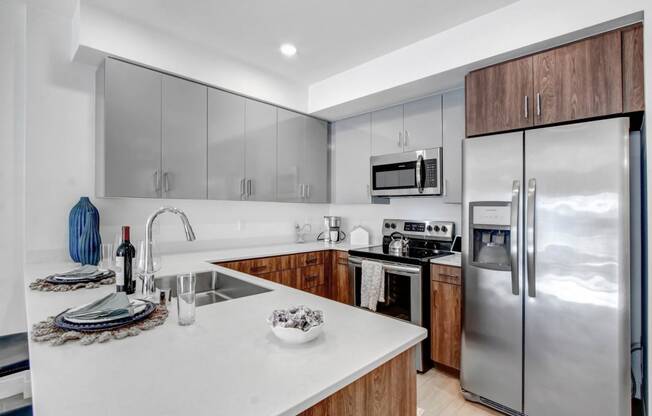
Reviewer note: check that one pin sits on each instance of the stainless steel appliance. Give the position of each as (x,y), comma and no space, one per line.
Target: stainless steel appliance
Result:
(332,232)
(408,173)
(406,272)
(546,270)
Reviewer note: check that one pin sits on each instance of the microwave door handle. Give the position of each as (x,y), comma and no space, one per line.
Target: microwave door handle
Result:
(418,173)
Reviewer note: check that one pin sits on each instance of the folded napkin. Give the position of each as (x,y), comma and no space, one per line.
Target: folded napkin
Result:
(372,285)
(110,307)
(83,272)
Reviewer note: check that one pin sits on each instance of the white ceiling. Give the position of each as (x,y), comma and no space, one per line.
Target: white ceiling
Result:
(331,36)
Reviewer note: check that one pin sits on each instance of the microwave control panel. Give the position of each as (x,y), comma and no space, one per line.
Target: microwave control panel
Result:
(431,173)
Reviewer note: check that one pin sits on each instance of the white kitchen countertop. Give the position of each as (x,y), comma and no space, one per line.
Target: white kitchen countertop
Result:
(454,259)
(227,363)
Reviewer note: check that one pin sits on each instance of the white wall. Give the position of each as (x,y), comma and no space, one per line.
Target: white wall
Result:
(116,36)
(12,141)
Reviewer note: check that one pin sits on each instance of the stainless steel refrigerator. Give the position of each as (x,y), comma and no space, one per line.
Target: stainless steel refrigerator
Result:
(546,270)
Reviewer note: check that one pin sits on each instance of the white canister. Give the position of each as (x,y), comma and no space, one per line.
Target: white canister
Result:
(359,236)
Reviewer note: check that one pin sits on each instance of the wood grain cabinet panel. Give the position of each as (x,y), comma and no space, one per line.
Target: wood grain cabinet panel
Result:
(310,259)
(389,390)
(446,315)
(311,276)
(633,91)
(340,283)
(499,98)
(446,274)
(579,80)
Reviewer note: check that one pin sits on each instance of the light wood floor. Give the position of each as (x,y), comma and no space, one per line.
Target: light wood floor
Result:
(438,393)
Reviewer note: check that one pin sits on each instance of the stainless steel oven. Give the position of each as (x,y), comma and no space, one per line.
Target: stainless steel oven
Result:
(407,174)
(403,295)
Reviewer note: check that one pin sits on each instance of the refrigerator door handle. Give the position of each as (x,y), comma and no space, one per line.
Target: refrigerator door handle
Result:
(531,201)
(514,235)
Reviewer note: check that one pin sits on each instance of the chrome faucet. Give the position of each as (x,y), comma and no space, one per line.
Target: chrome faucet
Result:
(148,273)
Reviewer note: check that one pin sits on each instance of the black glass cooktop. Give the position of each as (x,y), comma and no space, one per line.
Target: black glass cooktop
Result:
(414,255)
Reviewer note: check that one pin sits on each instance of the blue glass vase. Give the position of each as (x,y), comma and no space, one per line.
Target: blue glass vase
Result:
(77,226)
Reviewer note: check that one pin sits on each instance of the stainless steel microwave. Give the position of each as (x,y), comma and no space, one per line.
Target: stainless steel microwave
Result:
(415,173)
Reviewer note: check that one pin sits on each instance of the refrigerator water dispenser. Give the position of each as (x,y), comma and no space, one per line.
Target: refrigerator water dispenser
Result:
(490,232)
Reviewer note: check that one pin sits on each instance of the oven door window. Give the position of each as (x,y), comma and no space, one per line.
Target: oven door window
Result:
(395,176)
(398,296)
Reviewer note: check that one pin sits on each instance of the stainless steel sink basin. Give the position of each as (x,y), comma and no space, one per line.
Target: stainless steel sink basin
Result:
(213,287)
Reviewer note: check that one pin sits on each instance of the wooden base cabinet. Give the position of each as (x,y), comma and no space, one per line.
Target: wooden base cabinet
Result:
(340,283)
(446,315)
(389,390)
(324,273)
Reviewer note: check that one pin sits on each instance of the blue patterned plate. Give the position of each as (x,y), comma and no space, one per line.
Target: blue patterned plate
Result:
(105,275)
(62,323)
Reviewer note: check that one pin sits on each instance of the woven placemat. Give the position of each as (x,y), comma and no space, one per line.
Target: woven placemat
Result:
(45,286)
(47,331)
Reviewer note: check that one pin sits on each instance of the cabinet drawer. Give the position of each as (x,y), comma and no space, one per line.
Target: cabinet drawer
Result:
(311,276)
(284,277)
(446,274)
(341,257)
(321,290)
(234,265)
(310,259)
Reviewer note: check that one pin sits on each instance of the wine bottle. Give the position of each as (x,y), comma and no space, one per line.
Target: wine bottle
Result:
(124,256)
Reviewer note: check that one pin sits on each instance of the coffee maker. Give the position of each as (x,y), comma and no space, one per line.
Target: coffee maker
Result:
(332,232)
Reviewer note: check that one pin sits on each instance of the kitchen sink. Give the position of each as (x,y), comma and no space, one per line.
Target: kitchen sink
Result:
(212,287)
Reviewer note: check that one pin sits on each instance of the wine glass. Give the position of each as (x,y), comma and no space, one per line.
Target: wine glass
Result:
(140,258)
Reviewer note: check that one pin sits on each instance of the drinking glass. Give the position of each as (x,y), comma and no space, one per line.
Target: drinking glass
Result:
(186,298)
(107,257)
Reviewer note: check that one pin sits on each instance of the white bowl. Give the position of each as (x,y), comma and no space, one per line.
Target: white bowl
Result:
(295,335)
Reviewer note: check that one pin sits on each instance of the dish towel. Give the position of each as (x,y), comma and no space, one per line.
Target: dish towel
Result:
(372,285)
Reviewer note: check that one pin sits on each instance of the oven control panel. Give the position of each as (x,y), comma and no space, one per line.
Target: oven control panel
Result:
(438,230)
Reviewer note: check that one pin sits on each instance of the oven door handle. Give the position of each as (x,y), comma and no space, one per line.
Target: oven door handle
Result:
(388,267)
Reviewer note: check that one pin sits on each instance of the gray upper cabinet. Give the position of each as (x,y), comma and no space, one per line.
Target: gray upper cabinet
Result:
(422,124)
(129,132)
(453,134)
(302,158)
(387,131)
(226,145)
(314,163)
(260,151)
(163,136)
(183,139)
(291,138)
(351,149)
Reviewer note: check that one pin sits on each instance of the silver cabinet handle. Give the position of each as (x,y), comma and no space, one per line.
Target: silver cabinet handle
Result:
(242,188)
(531,248)
(526,104)
(249,188)
(400,139)
(302,191)
(407,135)
(308,191)
(418,173)
(166,182)
(514,235)
(368,190)
(445,187)
(157,181)
(538,105)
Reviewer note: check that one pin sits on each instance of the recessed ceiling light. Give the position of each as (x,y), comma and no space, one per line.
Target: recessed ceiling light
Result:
(288,49)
